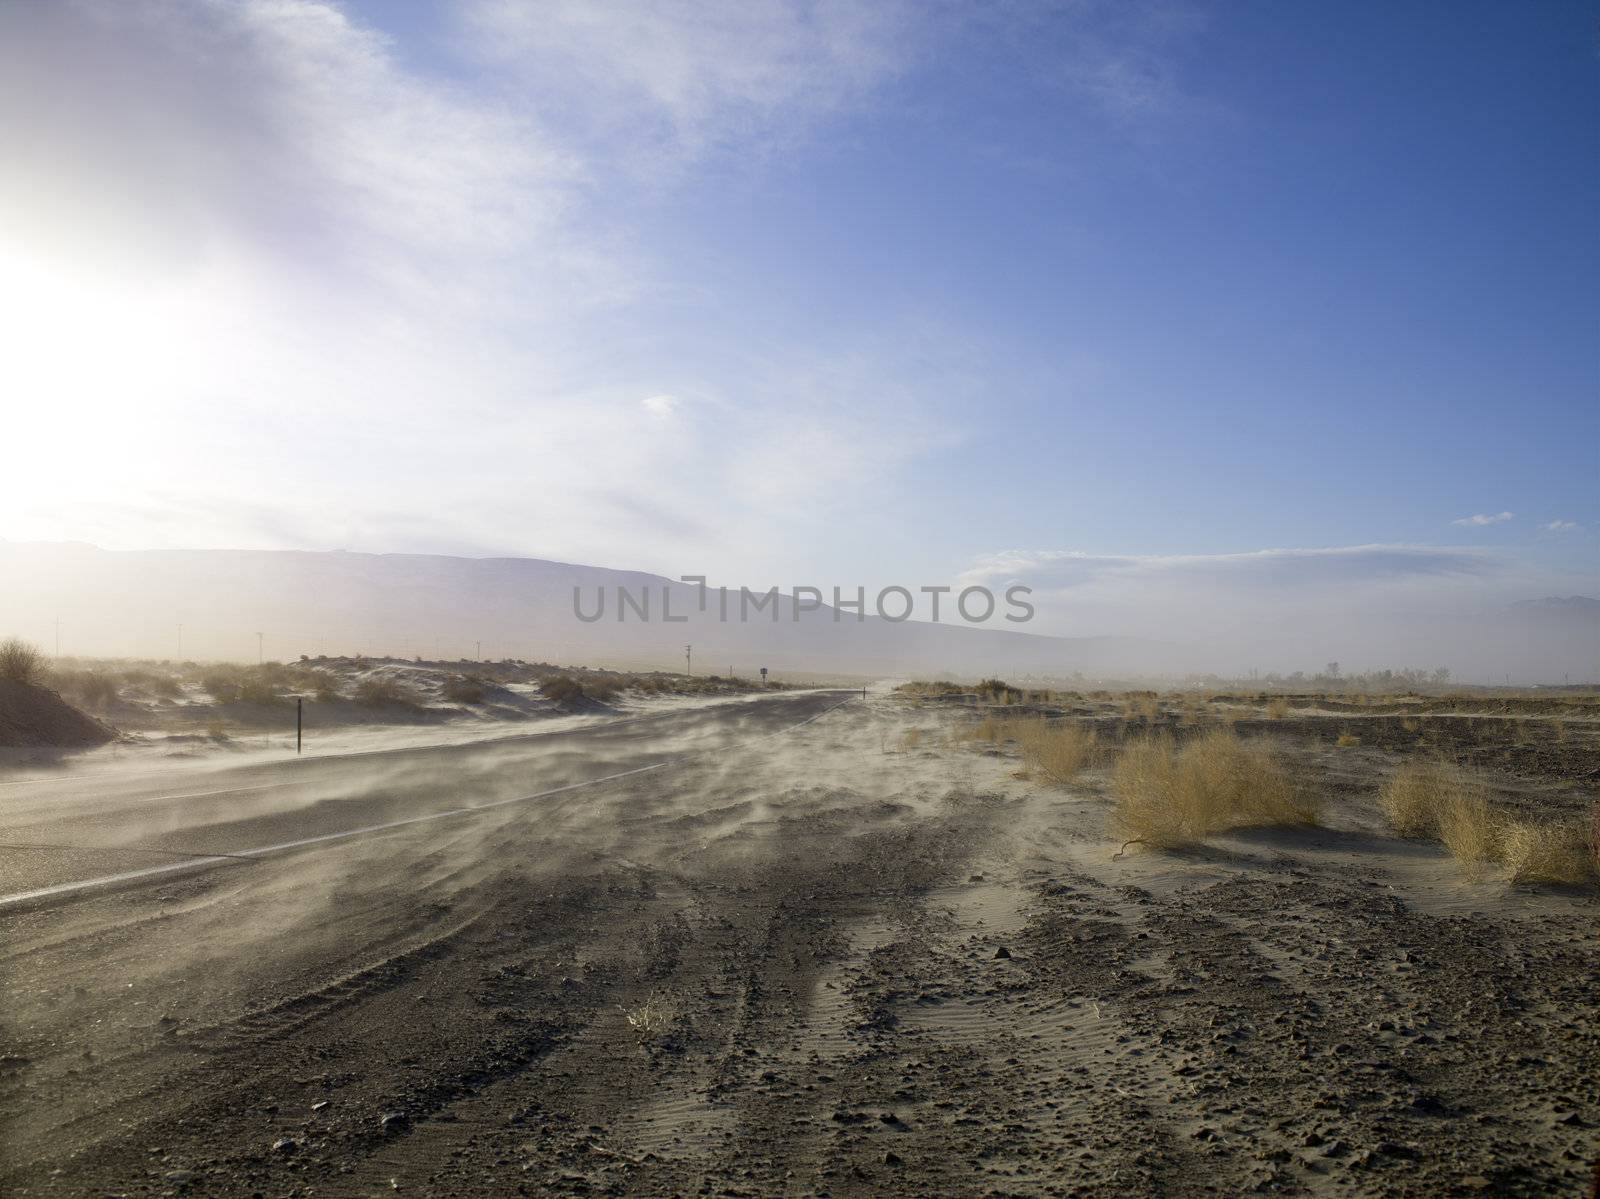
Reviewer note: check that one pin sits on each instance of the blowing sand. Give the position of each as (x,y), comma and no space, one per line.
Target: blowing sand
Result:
(825,959)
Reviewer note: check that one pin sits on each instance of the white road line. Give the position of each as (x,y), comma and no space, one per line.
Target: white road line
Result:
(199,861)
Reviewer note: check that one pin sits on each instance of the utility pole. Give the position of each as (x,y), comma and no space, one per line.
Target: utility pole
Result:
(299,722)
(479,644)
(261,654)
(688,659)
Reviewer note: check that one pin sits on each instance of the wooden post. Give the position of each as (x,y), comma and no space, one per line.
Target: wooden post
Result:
(299,722)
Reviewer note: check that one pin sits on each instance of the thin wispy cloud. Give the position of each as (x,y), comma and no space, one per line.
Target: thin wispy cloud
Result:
(662,407)
(1277,568)
(1204,597)
(1481,519)
(1561,526)
(698,76)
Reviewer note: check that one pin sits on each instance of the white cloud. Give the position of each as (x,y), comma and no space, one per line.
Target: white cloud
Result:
(1484,519)
(256,210)
(1561,526)
(698,75)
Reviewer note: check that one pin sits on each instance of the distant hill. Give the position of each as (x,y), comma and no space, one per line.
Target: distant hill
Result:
(1571,605)
(134,602)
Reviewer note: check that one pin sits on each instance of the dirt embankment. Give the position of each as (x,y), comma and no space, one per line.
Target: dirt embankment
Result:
(33,717)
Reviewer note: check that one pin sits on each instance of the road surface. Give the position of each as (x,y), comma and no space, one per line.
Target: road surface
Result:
(60,838)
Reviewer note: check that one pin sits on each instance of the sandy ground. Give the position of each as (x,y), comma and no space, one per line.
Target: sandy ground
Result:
(172,748)
(795,960)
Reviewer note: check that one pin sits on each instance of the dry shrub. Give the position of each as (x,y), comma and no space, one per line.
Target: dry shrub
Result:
(1594,835)
(1416,795)
(1167,796)
(1469,829)
(1145,704)
(910,739)
(991,729)
(561,688)
(1054,748)
(463,689)
(998,691)
(19,661)
(85,688)
(379,691)
(1411,724)
(1277,708)
(1549,853)
(221,685)
(1347,740)
(260,689)
(324,687)
(1439,799)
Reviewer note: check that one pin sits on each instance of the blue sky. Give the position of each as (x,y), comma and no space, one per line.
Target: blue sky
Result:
(824,293)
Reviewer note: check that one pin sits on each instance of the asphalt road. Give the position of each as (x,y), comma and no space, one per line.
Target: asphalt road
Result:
(65,837)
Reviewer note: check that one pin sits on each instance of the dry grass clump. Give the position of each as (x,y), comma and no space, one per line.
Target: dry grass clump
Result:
(1141,704)
(1469,829)
(380,692)
(1563,854)
(1055,749)
(1416,796)
(1594,835)
(1347,740)
(995,730)
(1168,795)
(1437,799)
(19,661)
(89,689)
(653,1016)
(910,740)
(603,690)
(998,691)
(1277,707)
(463,689)
(562,688)
(324,687)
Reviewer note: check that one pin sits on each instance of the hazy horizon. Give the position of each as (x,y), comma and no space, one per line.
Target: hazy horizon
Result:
(202,604)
